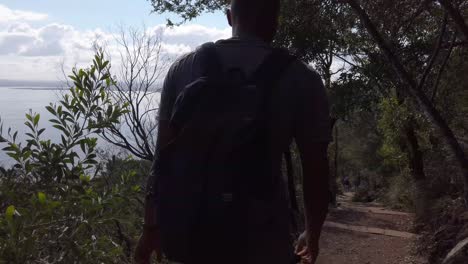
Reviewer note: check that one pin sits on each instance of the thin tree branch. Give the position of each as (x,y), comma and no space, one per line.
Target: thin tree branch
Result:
(456,16)
(435,53)
(442,68)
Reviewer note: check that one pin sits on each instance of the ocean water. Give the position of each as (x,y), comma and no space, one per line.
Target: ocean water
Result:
(16,102)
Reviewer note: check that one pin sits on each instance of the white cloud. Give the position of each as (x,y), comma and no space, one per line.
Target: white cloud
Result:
(175,49)
(31,51)
(8,15)
(48,41)
(191,35)
(14,43)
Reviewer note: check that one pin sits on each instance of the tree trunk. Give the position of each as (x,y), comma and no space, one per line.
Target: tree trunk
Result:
(334,176)
(336,152)
(456,16)
(416,94)
(416,164)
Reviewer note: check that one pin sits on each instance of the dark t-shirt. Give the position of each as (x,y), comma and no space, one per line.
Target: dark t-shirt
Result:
(301,112)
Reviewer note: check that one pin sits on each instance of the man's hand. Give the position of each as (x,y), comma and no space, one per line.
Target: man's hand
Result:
(149,243)
(308,250)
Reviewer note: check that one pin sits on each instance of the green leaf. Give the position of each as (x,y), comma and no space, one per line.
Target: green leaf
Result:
(85,178)
(28,124)
(14,156)
(27,155)
(41,197)
(10,212)
(109,110)
(55,121)
(36,119)
(51,110)
(32,142)
(82,146)
(64,141)
(29,117)
(40,131)
(59,127)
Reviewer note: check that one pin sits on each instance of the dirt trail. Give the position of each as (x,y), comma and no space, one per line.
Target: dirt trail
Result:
(367,234)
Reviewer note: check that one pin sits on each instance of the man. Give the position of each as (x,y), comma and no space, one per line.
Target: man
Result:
(346,184)
(300,112)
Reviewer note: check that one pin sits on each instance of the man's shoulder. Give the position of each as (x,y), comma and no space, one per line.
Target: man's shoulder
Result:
(302,72)
(182,60)
(188,60)
(298,70)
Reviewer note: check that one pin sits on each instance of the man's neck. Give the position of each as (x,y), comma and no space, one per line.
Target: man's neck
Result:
(245,35)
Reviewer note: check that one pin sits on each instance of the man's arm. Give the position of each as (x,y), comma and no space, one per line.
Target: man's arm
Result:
(315,188)
(313,134)
(165,135)
(149,240)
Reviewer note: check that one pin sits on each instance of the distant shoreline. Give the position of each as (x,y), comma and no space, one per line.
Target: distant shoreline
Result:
(41,88)
(34,88)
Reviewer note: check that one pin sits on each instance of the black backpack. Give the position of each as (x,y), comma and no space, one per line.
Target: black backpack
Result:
(218,161)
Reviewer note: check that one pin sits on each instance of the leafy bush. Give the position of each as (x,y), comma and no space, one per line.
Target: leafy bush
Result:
(86,221)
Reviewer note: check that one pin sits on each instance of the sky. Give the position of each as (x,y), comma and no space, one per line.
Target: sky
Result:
(39,38)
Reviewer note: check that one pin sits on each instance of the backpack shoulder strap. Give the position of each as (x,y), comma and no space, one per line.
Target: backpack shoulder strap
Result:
(269,74)
(272,68)
(210,60)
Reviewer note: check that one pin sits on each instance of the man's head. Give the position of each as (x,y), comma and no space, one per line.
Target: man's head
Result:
(255,17)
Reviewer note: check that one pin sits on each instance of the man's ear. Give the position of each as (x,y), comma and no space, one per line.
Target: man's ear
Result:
(229,16)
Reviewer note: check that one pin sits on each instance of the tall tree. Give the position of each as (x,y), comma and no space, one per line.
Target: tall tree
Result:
(137,73)
(413,89)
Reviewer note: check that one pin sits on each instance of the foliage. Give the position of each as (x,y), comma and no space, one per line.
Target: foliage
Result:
(57,204)
(89,222)
(394,118)
(187,9)
(351,93)
(77,117)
